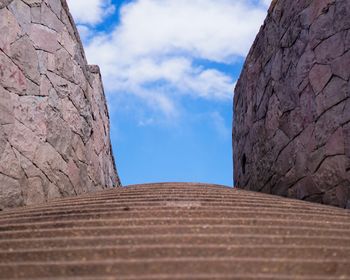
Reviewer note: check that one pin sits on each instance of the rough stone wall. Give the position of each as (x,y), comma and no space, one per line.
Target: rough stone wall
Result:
(54,124)
(291,131)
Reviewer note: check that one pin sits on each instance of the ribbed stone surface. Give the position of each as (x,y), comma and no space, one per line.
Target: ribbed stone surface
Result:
(175,231)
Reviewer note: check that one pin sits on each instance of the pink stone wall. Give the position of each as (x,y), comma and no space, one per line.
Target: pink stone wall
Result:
(54,124)
(291,132)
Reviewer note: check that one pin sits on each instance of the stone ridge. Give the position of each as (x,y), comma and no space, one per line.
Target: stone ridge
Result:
(54,122)
(175,231)
(291,130)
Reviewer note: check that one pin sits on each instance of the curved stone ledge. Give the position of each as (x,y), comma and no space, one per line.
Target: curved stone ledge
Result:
(175,231)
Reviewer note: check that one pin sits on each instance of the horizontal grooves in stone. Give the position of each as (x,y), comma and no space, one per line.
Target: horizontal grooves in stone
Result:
(166,239)
(129,231)
(171,251)
(168,212)
(171,221)
(175,231)
(153,201)
(186,265)
(227,276)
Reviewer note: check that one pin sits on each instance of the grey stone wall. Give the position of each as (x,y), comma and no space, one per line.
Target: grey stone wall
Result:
(54,123)
(291,131)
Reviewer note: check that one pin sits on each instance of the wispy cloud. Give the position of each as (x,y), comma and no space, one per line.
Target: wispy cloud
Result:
(266,2)
(220,125)
(155,52)
(90,11)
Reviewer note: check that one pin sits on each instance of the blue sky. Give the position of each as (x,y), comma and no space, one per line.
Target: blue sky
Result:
(169,68)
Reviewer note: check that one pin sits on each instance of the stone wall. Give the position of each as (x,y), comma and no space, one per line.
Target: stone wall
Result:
(291,132)
(54,124)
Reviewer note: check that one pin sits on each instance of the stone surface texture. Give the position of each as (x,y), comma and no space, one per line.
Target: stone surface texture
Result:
(291,131)
(175,231)
(54,123)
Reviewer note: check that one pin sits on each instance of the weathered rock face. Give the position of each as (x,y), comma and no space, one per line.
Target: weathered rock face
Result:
(291,132)
(54,124)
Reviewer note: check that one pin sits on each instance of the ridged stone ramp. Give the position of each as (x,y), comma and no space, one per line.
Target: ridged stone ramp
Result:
(175,231)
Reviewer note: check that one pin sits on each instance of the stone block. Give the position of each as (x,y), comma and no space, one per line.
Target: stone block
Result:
(347,40)
(346,131)
(336,197)
(75,177)
(64,185)
(336,91)
(341,17)
(9,29)
(18,138)
(43,61)
(47,159)
(53,191)
(12,168)
(305,64)
(331,172)
(33,3)
(50,19)
(25,56)
(328,123)
(64,65)
(318,8)
(10,192)
(306,189)
(329,49)
(30,110)
(335,144)
(45,86)
(33,89)
(4,3)
(68,43)
(55,6)
(340,66)
(319,76)
(322,27)
(44,38)
(35,191)
(59,135)
(36,14)
(21,11)
(6,107)
(273,115)
(11,77)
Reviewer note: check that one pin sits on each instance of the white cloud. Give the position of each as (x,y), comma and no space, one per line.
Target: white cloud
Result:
(215,30)
(155,51)
(267,3)
(220,125)
(84,32)
(90,11)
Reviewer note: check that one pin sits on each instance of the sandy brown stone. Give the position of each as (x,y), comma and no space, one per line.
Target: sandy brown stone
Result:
(176,231)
